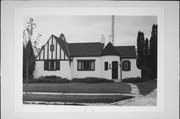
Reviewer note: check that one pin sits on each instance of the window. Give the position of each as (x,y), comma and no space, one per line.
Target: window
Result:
(126,65)
(105,65)
(52,48)
(51,65)
(45,65)
(57,65)
(86,65)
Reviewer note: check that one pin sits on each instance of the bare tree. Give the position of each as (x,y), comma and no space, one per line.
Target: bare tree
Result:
(29,50)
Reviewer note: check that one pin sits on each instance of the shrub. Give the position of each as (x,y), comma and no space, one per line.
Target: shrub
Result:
(134,80)
(92,80)
(52,77)
(49,79)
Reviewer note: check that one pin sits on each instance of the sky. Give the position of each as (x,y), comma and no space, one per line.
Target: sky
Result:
(90,28)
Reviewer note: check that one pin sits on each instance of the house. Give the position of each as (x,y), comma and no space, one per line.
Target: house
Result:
(80,60)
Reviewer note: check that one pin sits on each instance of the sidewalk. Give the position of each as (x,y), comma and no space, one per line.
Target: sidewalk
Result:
(55,93)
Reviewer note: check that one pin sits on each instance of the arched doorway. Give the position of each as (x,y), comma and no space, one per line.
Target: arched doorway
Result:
(114,70)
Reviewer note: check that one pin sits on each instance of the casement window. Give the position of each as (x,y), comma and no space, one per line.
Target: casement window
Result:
(46,65)
(105,66)
(58,65)
(86,65)
(52,48)
(51,65)
(126,65)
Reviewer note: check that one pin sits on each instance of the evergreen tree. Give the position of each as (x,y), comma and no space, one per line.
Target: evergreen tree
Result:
(146,51)
(28,60)
(140,50)
(153,50)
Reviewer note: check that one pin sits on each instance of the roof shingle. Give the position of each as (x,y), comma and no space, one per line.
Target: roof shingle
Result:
(109,50)
(126,51)
(64,45)
(95,49)
(85,49)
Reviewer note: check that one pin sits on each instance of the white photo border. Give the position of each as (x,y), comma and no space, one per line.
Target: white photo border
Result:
(121,11)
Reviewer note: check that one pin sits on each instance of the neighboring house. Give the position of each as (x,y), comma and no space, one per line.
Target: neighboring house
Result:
(80,60)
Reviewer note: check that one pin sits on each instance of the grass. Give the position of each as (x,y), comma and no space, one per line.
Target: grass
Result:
(146,87)
(76,98)
(79,87)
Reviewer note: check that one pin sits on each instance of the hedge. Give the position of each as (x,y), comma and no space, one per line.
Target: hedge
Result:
(55,79)
(91,80)
(134,80)
(49,79)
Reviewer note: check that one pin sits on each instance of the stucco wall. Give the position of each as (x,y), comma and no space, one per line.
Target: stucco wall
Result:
(108,73)
(70,71)
(82,74)
(64,71)
(134,72)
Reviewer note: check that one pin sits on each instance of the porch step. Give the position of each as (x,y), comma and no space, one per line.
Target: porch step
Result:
(116,80)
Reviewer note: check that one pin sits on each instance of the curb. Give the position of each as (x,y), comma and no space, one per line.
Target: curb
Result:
(55,93)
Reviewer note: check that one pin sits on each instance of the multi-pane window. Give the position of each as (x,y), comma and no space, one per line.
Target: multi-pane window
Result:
(46,63)
(57,65)
(52,48)
(105,65)
(51,65)
(86,65)
(126,65)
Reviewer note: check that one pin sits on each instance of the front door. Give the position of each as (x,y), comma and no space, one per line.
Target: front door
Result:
(114,70)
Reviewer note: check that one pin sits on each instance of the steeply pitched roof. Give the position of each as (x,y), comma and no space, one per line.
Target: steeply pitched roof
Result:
(94,49)
(109,50)
(64,45)
(126,51)
(85,49)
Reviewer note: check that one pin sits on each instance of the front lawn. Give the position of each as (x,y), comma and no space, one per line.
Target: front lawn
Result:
(79,87)
(76,98)
(146,87)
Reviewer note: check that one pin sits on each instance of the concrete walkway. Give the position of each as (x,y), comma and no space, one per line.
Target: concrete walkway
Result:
(140,100)
(134,89)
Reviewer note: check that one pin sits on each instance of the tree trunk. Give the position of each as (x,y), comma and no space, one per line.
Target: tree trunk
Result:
(27,76)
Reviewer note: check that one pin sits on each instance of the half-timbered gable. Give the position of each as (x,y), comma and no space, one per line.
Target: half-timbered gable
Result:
(54,49)
(53,58)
